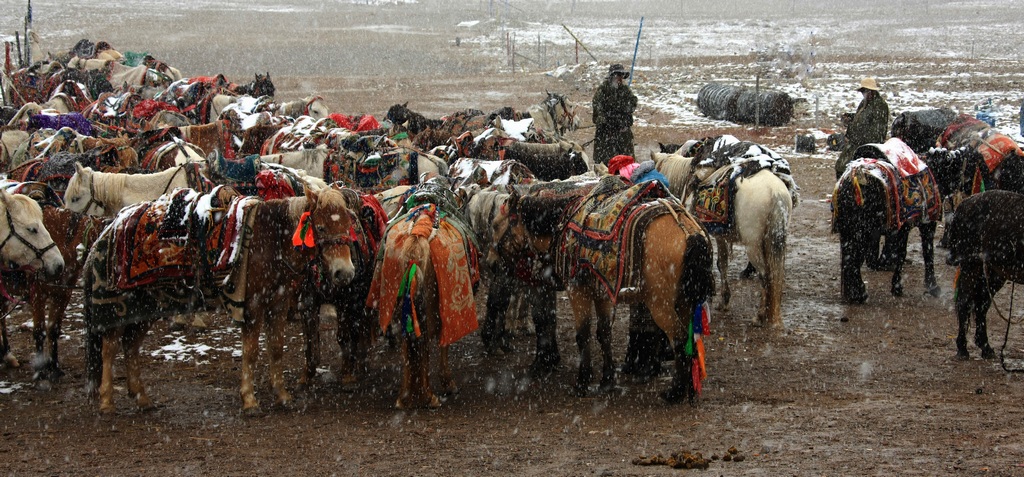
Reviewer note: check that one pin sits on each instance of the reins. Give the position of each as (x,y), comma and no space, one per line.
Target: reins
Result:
(13,233)
(1009,320)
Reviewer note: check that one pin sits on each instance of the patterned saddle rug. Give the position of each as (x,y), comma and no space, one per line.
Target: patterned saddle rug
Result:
(603,236)
(377,170)
(909,199)
(178,236)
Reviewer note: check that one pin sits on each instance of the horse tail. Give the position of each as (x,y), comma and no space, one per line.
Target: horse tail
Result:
(696,282)
(773,246)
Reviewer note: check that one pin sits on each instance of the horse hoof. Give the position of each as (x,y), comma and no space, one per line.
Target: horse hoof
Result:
(934,290)
(962,356)
(254,411)
(42,384)
(897,291)
(10,361)
(988,353)
(434,402)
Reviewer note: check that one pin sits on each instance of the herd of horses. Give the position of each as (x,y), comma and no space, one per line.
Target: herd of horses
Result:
(167,196)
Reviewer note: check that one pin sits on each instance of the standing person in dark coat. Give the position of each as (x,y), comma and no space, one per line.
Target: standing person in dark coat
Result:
(613,109)
(870,124)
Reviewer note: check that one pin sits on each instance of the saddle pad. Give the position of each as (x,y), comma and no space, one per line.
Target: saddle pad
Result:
(603,235)
(712,201)
(913,199)
(175,237)
(456,269)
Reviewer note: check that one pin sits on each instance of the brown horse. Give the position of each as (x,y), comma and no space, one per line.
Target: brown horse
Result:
(674,269)
(423,289)
(984,243)
(269,260)
(50,297)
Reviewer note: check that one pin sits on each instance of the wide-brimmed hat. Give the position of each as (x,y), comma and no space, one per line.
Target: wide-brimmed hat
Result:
(618,69)
(868,83)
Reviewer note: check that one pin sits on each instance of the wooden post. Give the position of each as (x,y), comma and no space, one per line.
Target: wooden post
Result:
(579,43)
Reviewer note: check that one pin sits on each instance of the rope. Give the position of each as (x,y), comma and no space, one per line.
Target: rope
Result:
(1009,321)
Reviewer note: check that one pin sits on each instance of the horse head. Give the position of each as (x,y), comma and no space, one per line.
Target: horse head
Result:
(80,195)
(562,112)
(331,224)
(26,241)
(954,169)
(315,108)
(262,86)
(398,114)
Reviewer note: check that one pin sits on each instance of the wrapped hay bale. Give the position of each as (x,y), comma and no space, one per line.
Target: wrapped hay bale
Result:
(744,105)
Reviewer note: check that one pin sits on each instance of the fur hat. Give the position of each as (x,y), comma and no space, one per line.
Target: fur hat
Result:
(868,83)
(618,162)
(617,69)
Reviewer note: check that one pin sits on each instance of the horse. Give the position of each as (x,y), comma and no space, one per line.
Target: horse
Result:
(354,331)
(886,189)
(57,169)
(423,289)
(552,118)
(26,243)
(261,86)
(559,160)
(672,276)
(921,129)
(984,238)
(163,149)
(427,134)
(312,106)
(762,193)
(49,298)
(267,260)
(104,194)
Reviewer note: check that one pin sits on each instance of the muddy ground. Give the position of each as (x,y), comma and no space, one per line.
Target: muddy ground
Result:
(842,390)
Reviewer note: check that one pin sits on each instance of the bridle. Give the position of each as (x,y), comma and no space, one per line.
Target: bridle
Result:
(566,117)
(92,200)
(13,233)
(305,108)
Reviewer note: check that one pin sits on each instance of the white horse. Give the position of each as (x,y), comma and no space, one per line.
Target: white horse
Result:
(104,194)
(309,160)
(26,242)
(763,203)
(312,106)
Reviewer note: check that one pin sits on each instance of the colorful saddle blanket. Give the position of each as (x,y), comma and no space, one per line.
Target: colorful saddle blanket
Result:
(455,259)
(604,233)
(909,199)
(377,170)
(176,237)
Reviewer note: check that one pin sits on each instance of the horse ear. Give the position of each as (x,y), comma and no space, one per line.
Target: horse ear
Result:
(79,169)
(512,204)
(311,197)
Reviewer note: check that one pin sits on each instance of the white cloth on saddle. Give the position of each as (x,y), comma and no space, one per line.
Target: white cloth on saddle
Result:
(516,129)
(903,157)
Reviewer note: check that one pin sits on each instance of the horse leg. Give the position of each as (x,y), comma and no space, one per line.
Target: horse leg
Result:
(927,232)
(723,272)
(310,317)
(447,381)
(968,290)
(131,341)
(493,331)
(5,346)
(900,249)
(250,352)
(851,257)
(993,282)
(582,305)
(545,323)
(275,349)
(111,343)
(40,330)
(604,339)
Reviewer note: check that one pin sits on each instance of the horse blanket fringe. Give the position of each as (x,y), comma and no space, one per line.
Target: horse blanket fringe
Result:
(177,236)
(455,261)
(603,236)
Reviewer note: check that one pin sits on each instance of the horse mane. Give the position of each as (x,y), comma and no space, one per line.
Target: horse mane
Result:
(542,211)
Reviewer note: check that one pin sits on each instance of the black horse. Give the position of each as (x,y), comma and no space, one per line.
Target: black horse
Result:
(984,242)
(863,207)
(921,129)
(261,86)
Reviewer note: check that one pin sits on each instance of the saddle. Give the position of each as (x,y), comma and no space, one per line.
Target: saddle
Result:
(909,199)
(177,237)
(603,234)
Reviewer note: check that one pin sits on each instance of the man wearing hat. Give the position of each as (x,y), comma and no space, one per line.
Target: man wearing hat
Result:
(870,124)
(613,116)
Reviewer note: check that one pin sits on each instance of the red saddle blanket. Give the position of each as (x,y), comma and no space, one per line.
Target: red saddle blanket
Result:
(604,233)
(177,236)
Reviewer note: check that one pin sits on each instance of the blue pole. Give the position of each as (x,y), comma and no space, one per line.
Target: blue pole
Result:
(635,49)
